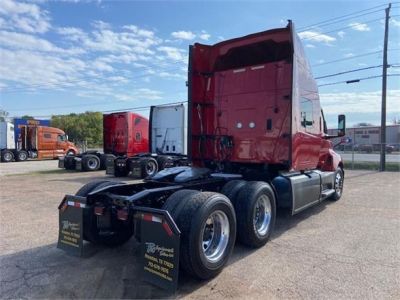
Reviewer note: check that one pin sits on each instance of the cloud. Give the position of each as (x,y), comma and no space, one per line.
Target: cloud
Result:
(316,37)
(359,26)
(204,35)
(140,32)
(173,53)
(24,17)
(348,55)
(183,35)
(341,33)
(394,22)
(310,46)
(358,102)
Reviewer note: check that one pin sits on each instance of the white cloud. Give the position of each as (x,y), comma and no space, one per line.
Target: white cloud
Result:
(394,22)
(341,33)
(140,32)
(173,53)
(358,102)
(204,35)
(359,26)
(183,35)
(316,37)
(348,55)
(310,46)
(25,17)
(23,41)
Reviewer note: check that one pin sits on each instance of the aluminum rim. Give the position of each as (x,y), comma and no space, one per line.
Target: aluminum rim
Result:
(338,183)
(7,156)
(22,156)
(151,168)
(215,236)
(262,215)
(92,163)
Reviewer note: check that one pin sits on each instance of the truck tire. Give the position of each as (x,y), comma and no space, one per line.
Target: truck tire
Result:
(148,166)
(256,213)
(7,155)
(232,188)
(208,230)
(90,162)
(338,185)
(70,152)
(22,155)
(164,162)
(122,231)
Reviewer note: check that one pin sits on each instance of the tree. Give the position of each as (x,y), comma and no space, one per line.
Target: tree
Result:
(27,117)
(3,115)
(86,126)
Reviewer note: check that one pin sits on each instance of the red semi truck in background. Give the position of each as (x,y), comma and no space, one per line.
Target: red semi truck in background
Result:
(124,133)
(258,141)
(166,145)
(126,142)
(36,142)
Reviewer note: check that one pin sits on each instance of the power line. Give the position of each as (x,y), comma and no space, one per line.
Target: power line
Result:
(357,80)
(339,21)
(338,29)
(349,71)
(340,17)
(138,108)
(347,58)
(351,57)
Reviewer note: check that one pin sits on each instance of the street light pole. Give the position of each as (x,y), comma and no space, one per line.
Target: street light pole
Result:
(384,83)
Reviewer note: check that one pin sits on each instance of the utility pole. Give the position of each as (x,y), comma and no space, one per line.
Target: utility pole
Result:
(384,82)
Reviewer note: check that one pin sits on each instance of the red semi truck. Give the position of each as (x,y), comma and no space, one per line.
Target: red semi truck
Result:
(124,133)
(258,141)
(35,142)
(166,145)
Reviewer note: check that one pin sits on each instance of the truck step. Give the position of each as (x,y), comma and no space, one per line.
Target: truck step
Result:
(327,193)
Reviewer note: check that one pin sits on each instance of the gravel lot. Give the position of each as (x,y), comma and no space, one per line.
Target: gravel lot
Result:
(347,249)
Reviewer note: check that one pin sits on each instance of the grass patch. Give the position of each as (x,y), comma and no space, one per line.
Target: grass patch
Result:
(369,165)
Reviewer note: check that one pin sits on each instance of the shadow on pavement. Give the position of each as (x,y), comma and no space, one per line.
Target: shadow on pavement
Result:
(47,272)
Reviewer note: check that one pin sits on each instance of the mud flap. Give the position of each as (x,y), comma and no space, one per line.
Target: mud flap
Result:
(61,164)
(70,232)
(136,168)
(110,165)
(160,240)
(78,164)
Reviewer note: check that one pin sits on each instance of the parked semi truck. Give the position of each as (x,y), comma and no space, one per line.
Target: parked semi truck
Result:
(124,133)
(166,148)
(258,142)
(36,142)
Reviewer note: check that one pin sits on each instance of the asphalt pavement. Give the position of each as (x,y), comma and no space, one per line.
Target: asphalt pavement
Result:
(334,250)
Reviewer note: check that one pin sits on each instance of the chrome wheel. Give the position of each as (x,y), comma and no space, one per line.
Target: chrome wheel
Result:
(151,168)
(262,215)
(338,183)
(92,163)
(7,156)
(22,156)
(215,236)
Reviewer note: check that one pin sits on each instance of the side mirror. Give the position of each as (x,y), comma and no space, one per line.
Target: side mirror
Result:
(341,125)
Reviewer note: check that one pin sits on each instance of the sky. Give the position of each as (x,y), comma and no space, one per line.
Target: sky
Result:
(59,57)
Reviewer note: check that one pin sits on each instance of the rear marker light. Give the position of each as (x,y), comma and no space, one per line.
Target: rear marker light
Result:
(122,214)
(99,210)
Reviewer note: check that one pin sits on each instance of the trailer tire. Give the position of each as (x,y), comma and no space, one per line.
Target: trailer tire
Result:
(338,185)
(7,155)
(22,155)
(148,166)
(232,188)
(202,258)
(256,213)
(90,162)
